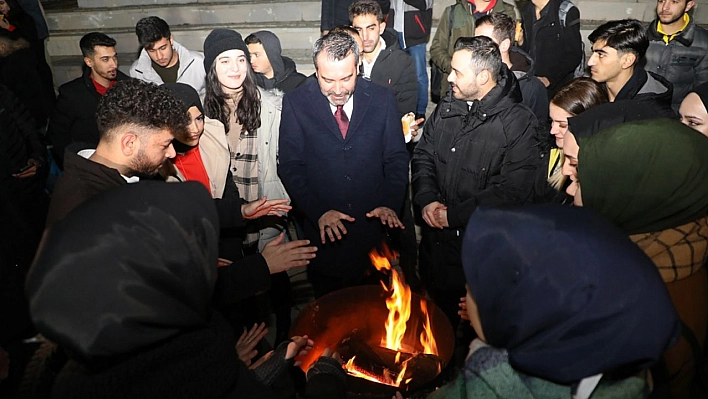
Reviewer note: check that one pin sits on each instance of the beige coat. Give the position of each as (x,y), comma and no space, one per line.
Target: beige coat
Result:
(214,149)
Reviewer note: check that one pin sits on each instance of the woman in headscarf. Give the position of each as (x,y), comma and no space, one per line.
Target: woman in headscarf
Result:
(125,283)
(561,322)
(203,155)
(693,110)
(650,178)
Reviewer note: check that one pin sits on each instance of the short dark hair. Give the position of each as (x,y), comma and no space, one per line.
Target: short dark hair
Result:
(139,103)
(485,54)
(93,39)
(579,95)
(344,29)
(625,35)
(365,7)
(336,46)
(252,39)
(150,30)
(504,26)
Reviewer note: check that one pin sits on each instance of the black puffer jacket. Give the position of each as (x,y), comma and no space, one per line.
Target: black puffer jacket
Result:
(533,91)
(683,62)
(395,69)
(486,154)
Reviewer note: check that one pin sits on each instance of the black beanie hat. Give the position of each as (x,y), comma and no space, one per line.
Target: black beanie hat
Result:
(187,94)
(220,40)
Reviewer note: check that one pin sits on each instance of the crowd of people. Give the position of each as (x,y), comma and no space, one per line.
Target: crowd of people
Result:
(562,201)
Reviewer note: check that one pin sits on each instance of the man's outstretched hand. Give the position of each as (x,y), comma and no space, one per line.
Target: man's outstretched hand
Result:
(331,225)
(388,217)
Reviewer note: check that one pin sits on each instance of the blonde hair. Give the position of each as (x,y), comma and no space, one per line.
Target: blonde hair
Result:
(556,178)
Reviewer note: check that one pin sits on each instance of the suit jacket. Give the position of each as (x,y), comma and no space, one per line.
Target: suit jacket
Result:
(323,171)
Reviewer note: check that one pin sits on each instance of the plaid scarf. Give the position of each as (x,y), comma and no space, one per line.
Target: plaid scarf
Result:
(677,252)
(243,146)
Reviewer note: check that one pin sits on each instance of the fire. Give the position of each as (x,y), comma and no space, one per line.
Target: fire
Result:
(399,312)
(426,336)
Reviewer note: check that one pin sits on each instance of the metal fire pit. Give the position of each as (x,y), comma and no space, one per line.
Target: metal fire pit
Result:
(351,321)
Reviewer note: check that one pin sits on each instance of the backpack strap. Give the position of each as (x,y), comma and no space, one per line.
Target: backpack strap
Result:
(565,7)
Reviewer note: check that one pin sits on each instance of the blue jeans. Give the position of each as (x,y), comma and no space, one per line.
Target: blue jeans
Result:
(418,54)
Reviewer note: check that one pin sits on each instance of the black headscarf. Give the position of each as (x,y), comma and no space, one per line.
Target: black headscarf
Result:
(187,94)
(190,98)
(567,294)
(127,269)
(607,115)
(702,92)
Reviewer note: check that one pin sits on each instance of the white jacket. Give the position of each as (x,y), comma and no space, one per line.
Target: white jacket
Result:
(191,68)
(269,183)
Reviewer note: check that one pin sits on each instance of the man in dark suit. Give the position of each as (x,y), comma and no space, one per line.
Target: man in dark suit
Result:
(344,163)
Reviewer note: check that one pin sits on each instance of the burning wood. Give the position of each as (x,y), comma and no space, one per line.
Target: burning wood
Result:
(397,353)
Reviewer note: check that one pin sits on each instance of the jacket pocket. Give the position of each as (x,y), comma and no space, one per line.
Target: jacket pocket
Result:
(684,60)
(417,24)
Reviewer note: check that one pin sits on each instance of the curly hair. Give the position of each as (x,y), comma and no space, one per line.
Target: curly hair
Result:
(142,104)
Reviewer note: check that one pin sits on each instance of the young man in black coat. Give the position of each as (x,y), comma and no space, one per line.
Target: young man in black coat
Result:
(74,117)
(384,63)
(618,49)
(479,148)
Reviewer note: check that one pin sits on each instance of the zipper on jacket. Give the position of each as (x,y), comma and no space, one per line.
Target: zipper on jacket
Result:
(185,69)
(417,20)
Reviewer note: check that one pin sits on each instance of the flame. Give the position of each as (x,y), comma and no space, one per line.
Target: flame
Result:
(399,312)
(426,336)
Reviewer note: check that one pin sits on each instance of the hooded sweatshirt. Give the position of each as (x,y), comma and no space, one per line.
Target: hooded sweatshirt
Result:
(285,75)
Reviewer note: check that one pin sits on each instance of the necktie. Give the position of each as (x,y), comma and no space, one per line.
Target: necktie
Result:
(342,121)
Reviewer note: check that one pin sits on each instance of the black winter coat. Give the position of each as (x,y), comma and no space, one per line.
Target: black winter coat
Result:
(486,154)
(394,68)
(286,81)
(417,21)
(20,73)
(23,208)
(82,180)
(651,90)
(557,50)
(74,116)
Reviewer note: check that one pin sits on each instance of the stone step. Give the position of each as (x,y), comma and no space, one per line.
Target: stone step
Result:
(293,35)
(70,67)
(241,12)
